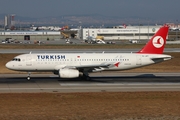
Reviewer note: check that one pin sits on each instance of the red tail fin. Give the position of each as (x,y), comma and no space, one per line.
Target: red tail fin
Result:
(157,42)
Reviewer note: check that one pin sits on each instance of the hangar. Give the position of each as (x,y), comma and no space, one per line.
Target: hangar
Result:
(30,35)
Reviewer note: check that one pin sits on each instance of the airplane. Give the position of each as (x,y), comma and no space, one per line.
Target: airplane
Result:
(74,65)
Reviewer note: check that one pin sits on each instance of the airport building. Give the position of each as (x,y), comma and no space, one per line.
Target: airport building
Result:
(115,33)
(121,33)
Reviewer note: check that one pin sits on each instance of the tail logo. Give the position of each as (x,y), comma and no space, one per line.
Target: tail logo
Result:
(158,42)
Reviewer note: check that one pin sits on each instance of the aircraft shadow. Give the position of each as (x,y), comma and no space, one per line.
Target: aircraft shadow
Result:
(100,79)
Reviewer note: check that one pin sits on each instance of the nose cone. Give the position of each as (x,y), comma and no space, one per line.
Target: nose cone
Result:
(8,65)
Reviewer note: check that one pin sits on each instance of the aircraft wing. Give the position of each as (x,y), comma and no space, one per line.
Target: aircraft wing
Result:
(91,68)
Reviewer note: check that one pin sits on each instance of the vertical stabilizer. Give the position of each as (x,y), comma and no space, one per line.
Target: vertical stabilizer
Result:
(157,42)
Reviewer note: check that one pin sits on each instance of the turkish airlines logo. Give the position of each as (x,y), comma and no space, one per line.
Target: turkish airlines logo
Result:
(158,41)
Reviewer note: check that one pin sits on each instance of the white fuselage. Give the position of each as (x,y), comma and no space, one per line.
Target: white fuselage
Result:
(56,61)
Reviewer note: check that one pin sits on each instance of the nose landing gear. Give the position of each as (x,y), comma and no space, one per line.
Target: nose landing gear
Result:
(28,77)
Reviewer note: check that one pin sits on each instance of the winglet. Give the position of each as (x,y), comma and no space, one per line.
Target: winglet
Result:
(157,42)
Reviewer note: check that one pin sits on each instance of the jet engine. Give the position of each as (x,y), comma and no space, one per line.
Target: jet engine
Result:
(68,73)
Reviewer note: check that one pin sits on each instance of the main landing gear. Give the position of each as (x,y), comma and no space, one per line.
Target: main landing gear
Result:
(86,76)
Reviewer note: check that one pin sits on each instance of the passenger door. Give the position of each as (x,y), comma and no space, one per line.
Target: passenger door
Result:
(28,60)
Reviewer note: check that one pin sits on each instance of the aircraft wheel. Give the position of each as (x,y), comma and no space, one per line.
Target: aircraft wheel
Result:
(28,78)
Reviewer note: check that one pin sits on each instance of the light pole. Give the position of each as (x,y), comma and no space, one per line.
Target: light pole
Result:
(139,30)
(80,30)
(176,28)
(148,30)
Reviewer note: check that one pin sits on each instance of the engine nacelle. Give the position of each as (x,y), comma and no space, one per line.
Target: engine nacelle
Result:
(68,73)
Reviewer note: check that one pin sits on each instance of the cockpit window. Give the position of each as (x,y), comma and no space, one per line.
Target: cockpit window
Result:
(16,59)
